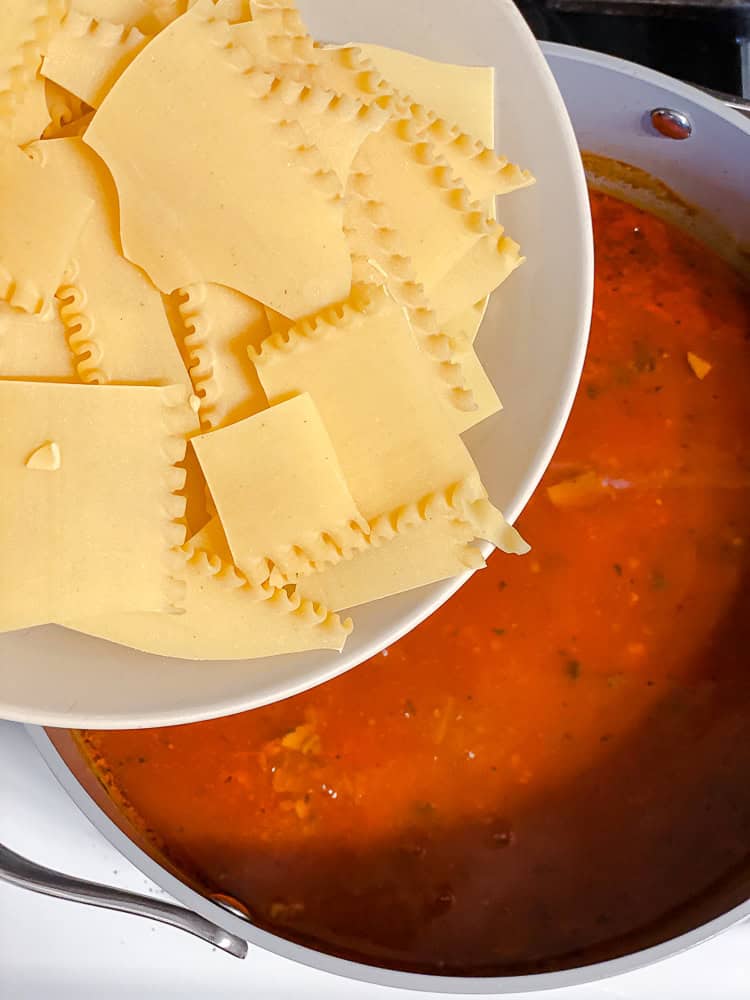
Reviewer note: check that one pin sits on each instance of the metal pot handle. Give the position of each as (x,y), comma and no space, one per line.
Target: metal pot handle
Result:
(19,871)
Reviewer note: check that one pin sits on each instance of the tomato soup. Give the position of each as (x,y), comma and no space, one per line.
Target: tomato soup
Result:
(557,759)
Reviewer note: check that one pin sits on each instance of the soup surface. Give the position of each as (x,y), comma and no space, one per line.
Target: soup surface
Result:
(559,757)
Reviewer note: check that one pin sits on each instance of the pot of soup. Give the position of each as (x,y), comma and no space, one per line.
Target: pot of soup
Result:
(547,783)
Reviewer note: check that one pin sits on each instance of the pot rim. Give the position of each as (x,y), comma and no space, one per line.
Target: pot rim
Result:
(557,50)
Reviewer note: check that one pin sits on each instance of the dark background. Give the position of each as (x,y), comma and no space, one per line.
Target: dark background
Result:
(698,42)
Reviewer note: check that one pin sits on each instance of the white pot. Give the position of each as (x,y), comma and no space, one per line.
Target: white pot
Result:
(609,101)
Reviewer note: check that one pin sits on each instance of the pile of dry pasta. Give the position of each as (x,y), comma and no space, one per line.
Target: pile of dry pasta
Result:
(241,276)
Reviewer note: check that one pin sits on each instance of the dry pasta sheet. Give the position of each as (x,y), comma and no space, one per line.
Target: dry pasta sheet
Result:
(242,275)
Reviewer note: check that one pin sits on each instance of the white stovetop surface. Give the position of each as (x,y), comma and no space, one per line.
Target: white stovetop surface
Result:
(56,950)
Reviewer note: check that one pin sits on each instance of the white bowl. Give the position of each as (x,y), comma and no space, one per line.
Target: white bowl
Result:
(533,343)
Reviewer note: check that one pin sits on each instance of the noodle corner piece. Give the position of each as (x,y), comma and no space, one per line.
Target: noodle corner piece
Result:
(452,107)
(225,617)
(25,31)
(30,117)
(86,55)
(32,202)
(109,501)
(34,347)
(280,493)
(336,124)
(113,316)
(214,324)
(412,547)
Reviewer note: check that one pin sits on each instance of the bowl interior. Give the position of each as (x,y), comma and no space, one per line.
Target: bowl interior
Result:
(54,677)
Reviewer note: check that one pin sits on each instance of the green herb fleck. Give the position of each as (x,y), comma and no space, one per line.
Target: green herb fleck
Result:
(592,391)
(617,568)
(499,631)
(573,669)
(658,580)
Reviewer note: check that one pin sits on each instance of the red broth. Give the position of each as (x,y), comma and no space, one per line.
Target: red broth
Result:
(560,756)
